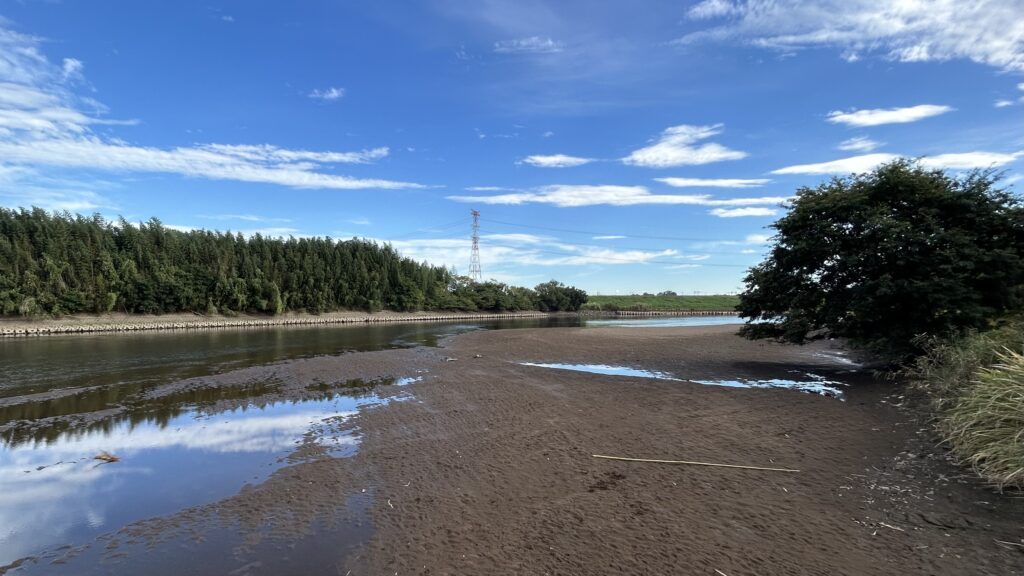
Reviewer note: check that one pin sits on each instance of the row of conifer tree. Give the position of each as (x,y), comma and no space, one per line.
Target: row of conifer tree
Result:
(53,264)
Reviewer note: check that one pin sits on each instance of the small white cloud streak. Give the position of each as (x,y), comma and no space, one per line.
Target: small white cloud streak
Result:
(742,212)
(523,250)
(881,116)
(859,144)
(1003,103)
(327,94)
(854,164)
(556,161)
(569,196)
(680,146)
(607,237)
(530,45)
(243,217)
(868,162)
(213,162)
(713,182)
(968,160)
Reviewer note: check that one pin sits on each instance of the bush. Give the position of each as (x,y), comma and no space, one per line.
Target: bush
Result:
(985,427)
(883,257)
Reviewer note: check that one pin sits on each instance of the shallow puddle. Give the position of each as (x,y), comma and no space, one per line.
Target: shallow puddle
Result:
(56,492)
(811,383)
(808,382)
(606,369)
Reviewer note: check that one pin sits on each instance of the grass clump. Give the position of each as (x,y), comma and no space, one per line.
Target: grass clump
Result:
(985,426)
(976,386)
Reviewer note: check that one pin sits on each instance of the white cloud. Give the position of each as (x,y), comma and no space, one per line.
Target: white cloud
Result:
(327,94)
(502,250)
(574,195)
(859,144)
(54,199)
(608,237)
(740,212)
(488,189)
(360,221)
(968,160)
(1003,103)
(880,116)
(556,161)
(243,217)
(211,161)
(713,182)
(713,9)
(679,146)
(530,45)
(989,32)
(44,123)
(868,162)
(854,164)
(72,68)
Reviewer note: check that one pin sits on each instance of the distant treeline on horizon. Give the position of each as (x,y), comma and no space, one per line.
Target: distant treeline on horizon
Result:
(53,264)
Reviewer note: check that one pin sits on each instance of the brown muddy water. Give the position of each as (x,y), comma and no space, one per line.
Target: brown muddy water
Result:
(60,508)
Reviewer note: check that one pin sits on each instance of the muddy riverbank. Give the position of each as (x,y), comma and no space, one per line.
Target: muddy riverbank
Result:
(483,465)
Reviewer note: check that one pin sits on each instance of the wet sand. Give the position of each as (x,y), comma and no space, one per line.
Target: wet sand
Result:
(486,467)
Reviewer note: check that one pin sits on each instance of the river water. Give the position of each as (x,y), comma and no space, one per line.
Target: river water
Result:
(57,499)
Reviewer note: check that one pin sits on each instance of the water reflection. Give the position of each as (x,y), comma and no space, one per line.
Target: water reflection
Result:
(606,370)
(30,421)
(141,360)
(57,493)
(811,383)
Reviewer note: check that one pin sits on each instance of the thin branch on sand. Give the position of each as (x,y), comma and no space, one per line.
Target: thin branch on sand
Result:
(694,463)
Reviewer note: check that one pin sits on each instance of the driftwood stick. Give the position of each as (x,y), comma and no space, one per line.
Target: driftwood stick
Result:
(693,463)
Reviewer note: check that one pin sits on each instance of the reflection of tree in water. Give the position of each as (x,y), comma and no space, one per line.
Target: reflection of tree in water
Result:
(37,421)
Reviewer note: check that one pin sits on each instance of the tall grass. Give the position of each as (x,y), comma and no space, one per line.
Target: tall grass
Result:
(985,426)
(976,386)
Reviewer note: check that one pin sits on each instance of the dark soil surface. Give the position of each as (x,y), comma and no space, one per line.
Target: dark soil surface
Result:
(487,468)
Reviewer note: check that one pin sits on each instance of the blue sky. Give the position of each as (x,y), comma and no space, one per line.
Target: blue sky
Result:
(620,147)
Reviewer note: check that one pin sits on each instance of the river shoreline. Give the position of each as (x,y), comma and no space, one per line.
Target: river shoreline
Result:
(112,323)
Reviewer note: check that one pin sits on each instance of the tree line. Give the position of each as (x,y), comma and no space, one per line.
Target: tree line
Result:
(52,264)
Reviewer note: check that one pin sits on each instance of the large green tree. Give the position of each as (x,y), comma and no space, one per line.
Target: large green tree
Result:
(885,256)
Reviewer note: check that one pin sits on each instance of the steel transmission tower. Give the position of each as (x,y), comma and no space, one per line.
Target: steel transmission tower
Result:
(474,256)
